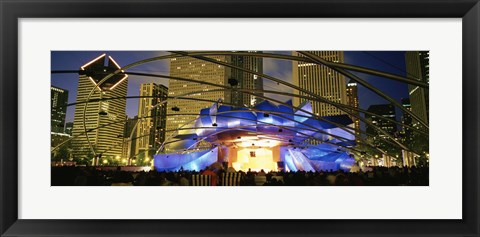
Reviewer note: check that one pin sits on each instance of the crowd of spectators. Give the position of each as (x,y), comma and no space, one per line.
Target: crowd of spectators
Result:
(372,176)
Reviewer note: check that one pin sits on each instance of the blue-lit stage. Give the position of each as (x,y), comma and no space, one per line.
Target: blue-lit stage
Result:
(268,136)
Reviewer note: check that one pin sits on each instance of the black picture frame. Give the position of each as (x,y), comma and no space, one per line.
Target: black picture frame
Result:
(11,11)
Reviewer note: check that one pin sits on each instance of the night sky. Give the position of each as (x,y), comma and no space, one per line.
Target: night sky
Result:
(387,61)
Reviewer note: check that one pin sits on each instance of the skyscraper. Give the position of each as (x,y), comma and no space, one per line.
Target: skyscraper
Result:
(381,111)
(129,145)
(381,140)
(418,67)
(245,80)
(104,119)
(58,107)
(181,113)
(322,81)
(352,100)
(407,135)
(150,131)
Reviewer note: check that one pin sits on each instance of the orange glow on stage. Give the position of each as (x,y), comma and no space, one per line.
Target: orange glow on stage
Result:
(255,159)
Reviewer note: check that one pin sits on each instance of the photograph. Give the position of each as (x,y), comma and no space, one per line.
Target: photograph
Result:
(239,118)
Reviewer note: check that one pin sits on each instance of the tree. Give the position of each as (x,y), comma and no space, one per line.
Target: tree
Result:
(84,159)
(62,154)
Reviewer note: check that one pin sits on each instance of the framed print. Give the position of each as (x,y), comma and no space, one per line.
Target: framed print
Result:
(239,118)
